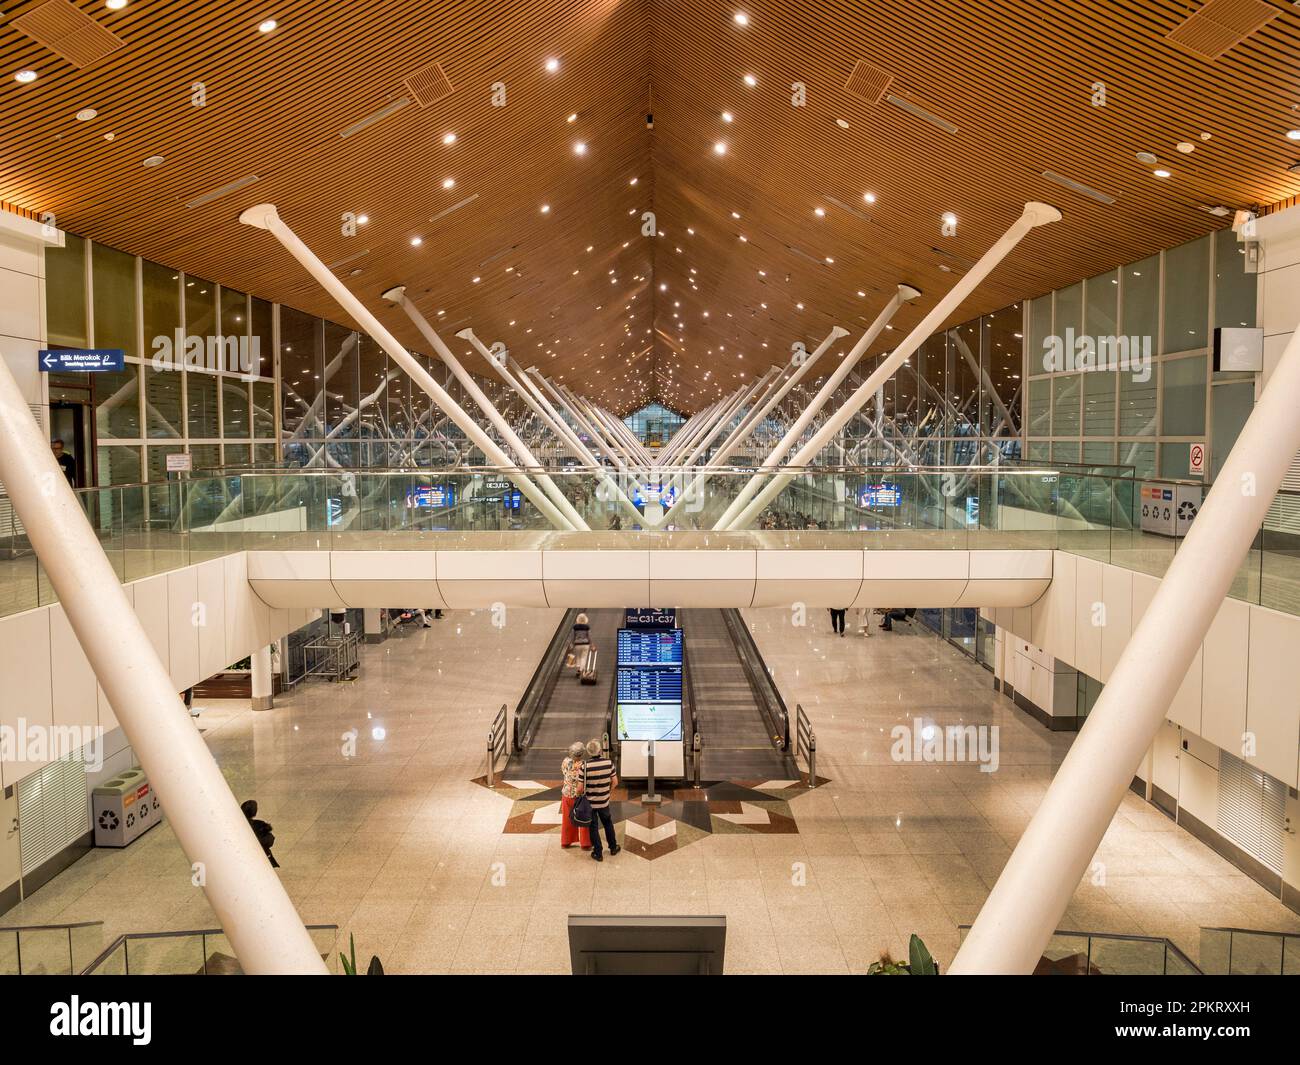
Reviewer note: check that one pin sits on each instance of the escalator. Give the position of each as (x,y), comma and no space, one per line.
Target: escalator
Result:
(557,710)
(736,708)
(730,700)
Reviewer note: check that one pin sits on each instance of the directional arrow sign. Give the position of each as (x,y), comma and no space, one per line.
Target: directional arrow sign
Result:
(81,360)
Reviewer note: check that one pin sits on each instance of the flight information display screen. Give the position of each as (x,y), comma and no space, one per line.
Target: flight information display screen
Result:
(649,648)
(649,685)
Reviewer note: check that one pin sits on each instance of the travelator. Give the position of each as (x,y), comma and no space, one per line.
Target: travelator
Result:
(734,723)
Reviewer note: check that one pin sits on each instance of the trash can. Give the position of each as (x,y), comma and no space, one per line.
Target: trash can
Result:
(124,807)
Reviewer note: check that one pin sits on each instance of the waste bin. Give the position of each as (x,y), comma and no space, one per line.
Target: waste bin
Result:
(124,807)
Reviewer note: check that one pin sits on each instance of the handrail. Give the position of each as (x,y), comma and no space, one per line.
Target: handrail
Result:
(125,939)
(496,744)
(1233,933)
(542,683)
(1168,945)
(696,737)
(805,743)
(17,931)
(761,682)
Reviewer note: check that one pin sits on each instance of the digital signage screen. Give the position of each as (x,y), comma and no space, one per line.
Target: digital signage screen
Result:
(880,495)
(434,496)
(637,647)
(649,684)
(650,721)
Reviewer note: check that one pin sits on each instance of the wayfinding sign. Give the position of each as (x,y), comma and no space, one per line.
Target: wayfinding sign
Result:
(81,360)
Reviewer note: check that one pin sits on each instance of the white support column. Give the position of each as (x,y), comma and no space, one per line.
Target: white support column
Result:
(1045,869)
(263,683)
(583,408)
(580,421)
(752,420)
(690,432)
(729,412)
(250,902)
(516,379)
(1035,214)
(904,294)
(572,517)
(264,216)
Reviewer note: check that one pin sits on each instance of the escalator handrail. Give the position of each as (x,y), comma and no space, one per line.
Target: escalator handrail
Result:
(766,694)
(542,683)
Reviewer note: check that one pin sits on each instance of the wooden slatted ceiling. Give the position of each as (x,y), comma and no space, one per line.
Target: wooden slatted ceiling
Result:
(1015,76)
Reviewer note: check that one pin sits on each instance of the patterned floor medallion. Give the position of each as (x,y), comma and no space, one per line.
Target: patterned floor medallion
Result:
(685,815)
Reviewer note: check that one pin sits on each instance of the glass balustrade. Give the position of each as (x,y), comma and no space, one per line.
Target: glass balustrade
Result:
(152,528)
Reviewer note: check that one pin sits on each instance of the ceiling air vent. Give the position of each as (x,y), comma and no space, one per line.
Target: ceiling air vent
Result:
(387,111)
(921,113)
(1221,25)
(224,190)
(868,82)
(1079,187)
(68,32)
(429,85)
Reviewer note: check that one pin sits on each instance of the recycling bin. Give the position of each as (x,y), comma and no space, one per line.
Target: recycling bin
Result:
(124,807)
(1168,509)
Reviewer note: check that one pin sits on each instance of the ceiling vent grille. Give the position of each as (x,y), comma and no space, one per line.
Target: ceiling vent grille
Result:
(921,113)
(1221,25)
(68,32)
(387,111)
(868,81)
(429,85)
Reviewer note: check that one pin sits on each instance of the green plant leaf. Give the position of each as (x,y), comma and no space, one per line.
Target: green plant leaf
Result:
(920,960)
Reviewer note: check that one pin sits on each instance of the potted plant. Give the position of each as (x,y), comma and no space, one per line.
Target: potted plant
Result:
(919,962)
(349,960)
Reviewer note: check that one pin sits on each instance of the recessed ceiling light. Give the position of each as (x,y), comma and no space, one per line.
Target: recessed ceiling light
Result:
(449,138)
(362,219)
(475,280)
(1186,147)
(1146,157)
(750,80)
(552,65)
(25,77)
(841,123)
(820,212)
(870,197)
(720,148)
(416,241)
(109,136)
(740,18)
(573,117)
(154,160)
(115,5)
(546,208)
(1293,134)
(580,148)
(1161,173)
(734,214)
(727,116)
(86,114)
(267,25)
(448,182)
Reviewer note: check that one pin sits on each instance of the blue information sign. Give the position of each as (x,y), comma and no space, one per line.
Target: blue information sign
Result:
(81,360)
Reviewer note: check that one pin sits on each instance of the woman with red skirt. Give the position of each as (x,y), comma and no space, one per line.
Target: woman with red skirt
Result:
(570,789)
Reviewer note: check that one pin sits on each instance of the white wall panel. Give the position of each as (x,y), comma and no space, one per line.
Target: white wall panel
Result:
(149,597)
(1087,636)
(1225,655)
(1273,695)
(213,657)
(182,594)
(28,699)
(1117,594)
(72,681)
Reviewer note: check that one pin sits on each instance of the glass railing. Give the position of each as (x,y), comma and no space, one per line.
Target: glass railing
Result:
(204,952)
(1108,954)
(153,528)
(49,949)
(1247,952)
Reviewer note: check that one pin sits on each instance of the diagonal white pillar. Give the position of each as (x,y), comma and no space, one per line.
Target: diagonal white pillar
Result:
(904,294)
(752,420)
(1034,214)
(541,406)
(1045,869)
(398,295)
(264,216)
(250,902)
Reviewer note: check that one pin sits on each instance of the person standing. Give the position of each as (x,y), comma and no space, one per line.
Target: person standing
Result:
(261,829)
(570,789)
(864,620)
(599,781)
(837,620)
(66,462)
